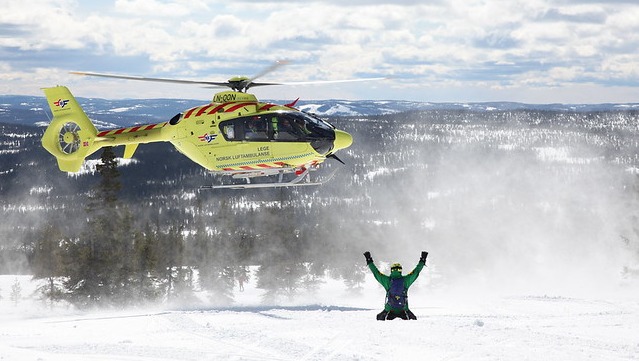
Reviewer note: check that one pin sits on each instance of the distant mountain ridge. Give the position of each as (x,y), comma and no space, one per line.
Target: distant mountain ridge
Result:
(19,109)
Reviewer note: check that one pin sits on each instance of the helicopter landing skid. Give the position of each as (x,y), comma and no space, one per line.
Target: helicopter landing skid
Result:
(301,179)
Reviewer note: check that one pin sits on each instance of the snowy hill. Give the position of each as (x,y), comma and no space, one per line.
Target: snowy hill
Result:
(124,112)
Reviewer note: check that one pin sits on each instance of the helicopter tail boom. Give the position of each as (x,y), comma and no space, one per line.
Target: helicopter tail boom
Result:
(70,136)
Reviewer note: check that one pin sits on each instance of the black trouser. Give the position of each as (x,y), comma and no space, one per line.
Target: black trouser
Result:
(391,315)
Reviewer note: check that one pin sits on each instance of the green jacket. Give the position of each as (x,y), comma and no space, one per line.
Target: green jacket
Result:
(384,280)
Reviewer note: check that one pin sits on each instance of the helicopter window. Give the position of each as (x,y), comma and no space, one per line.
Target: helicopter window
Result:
(255,128)
(284,128)
(314,124)
(305,127)
(278,126)
(229,131)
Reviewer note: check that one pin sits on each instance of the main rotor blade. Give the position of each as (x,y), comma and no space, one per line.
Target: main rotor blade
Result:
(315,82)
(162,80)
(271,68)
(211,84)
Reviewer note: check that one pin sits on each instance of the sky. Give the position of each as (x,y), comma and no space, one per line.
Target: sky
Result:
(531,51)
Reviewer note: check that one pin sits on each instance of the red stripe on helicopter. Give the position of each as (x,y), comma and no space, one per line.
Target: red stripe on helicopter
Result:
(257,166)
(238,106)
(199,111)
(151,126)
(216,109)
(202,110)
(267,107)
(188,114)
(128,130)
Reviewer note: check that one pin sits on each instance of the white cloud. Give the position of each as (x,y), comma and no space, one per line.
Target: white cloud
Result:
(452,45)
(158,8)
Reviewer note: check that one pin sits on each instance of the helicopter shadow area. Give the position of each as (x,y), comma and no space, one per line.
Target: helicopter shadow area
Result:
(264,310)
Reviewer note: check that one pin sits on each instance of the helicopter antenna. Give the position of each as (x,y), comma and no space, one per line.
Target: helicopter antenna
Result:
(47,115)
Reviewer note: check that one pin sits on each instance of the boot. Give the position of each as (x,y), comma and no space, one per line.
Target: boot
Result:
(382,315)
(411,315)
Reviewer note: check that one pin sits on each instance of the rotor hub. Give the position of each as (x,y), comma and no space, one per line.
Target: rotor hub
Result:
(69,137)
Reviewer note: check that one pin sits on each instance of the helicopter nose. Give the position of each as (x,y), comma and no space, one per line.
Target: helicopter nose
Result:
(343,140)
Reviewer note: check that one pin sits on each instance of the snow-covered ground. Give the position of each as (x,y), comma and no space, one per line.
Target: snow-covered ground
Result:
(452,324)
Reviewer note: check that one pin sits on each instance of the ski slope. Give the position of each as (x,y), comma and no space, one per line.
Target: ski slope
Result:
(453,324)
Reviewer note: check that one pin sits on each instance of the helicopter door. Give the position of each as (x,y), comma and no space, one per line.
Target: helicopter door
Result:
(248,141)
(256,147)
(284,129)
(255,129)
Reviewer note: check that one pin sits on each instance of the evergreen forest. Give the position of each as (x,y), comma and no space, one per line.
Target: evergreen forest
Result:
(476,189)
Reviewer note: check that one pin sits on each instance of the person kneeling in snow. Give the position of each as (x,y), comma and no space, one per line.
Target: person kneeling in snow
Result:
(396,287)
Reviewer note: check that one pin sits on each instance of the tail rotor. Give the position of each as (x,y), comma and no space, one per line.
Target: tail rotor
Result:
(70,138)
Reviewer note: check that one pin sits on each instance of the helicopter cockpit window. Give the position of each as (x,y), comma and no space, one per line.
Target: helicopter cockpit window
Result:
(279,126)
(310,128)
(315,124)
(284,128)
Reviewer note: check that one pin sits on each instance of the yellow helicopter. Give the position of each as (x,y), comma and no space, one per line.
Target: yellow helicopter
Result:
(234,135)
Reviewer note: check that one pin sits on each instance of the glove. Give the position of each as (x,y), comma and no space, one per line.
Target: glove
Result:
(423,257)
(368,257)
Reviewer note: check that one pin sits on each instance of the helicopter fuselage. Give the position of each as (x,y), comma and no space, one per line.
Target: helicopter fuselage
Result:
(234,134)
(240,134)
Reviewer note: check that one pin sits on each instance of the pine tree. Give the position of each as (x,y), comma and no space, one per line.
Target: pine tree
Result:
(314,276)
(280,279)
(354,276)
(99,271)
(216,271)
(47,261)
(282,268)
(175,274)
(145,260)
(16,292)
(214,254)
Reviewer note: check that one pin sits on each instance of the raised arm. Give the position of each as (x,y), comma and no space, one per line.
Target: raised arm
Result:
(412,276)
(381,278)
